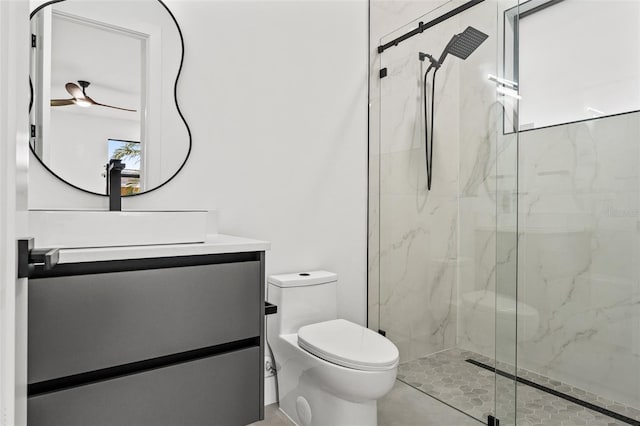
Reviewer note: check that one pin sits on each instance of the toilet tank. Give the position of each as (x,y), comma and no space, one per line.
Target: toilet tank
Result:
(302,298)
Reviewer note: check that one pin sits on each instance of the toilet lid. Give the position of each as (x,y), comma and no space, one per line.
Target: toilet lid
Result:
(349,345)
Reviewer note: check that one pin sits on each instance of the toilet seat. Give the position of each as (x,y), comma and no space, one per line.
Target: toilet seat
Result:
(349,345)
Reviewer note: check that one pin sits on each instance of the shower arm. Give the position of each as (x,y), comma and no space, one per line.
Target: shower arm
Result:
(445,52)
(437,63)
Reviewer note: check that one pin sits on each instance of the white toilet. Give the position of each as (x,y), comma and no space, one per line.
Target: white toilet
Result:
(330,372)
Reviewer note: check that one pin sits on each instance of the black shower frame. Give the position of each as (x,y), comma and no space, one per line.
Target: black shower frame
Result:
(423,26)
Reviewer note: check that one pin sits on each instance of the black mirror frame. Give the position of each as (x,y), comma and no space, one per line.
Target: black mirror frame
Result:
(175,98)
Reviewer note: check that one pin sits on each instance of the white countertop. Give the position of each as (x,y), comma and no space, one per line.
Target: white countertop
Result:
(214,244)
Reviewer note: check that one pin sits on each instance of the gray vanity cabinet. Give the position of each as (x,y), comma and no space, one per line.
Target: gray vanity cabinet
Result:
(165,341)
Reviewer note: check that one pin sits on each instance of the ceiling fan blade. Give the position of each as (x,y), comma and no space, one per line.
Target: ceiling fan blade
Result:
(62,102)
(80,98)
(74,90)
(110,106)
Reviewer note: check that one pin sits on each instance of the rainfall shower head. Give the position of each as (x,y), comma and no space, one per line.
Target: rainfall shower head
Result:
(462,45)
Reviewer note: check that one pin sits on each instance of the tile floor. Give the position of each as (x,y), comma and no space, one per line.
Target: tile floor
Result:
(273,417)
(403,406)
(470,388)
(447,377)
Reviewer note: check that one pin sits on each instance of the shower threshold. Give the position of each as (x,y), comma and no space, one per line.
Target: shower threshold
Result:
(466,381)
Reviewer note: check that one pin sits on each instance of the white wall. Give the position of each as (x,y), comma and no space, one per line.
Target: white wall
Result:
(275,93)
(82,161)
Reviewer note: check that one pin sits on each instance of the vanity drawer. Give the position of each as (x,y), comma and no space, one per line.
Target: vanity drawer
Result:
(82,323)
(220,390)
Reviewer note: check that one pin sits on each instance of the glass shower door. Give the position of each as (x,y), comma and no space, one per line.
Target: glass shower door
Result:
(506,233)
(447,254)
(578,260)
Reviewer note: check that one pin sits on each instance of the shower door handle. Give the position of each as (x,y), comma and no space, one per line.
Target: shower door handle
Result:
(28,257)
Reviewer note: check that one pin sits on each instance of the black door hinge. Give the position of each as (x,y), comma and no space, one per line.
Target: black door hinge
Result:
(382,332)
(33,130)
(383,72)
(33,40)
(492,421)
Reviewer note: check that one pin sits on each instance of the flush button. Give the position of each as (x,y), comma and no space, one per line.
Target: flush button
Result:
(304,274)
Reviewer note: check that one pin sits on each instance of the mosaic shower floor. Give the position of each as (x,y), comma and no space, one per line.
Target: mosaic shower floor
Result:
(447,376)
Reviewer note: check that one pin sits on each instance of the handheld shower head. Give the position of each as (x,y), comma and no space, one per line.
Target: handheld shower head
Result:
(461,45)
(464,44)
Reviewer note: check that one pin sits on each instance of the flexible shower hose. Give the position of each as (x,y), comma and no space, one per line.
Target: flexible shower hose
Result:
(428,142)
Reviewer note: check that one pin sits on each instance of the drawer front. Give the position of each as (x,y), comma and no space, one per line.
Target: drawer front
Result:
(89,322)
(221,390)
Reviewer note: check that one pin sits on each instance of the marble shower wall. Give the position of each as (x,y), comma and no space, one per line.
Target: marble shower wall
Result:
(487,184)
(386,16)
(428,247)
(418,229)
(579,255)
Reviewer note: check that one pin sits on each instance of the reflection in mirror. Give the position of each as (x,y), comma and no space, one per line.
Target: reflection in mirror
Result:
(103,76)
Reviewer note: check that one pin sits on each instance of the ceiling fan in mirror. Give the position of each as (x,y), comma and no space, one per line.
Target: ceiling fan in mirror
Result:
(80,97)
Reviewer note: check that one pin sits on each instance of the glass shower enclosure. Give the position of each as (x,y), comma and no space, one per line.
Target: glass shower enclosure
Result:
(504,218)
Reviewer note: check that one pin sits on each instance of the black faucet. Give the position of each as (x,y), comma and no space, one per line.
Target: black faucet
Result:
(114,184)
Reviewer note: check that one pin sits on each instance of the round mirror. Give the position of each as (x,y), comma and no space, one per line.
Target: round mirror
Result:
(103,78)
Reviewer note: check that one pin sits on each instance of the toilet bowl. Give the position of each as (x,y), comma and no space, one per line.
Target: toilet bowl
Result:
(330,371)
